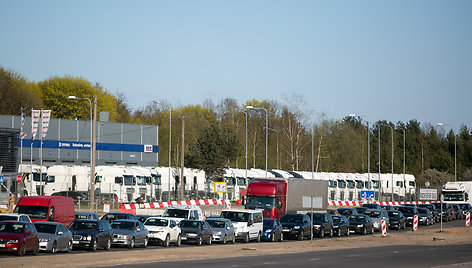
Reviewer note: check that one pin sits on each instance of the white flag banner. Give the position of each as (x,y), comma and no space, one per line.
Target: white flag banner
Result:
(35,114)
(22,132)
(45,122)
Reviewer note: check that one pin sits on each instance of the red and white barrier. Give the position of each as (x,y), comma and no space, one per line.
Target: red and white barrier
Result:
(415,223)
(384,228)
(467,219)
(132,207)
(356,203)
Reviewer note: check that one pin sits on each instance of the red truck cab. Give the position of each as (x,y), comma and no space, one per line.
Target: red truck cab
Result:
(47,208)
(268,195)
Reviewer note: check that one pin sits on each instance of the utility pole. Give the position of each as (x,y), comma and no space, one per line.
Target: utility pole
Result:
(182,161)
(94,145)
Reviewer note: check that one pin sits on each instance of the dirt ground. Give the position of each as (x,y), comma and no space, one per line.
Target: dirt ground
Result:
(424,236)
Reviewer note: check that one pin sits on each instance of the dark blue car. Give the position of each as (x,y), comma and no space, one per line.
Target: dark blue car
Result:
(272,230)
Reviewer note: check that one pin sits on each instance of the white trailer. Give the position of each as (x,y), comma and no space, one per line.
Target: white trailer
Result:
(457,192)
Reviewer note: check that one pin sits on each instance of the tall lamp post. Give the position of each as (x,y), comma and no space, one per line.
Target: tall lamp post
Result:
(404,157)
(392,156)
(170,150)
(245,158)
(92,146)
(368,149)
(267,131)
(455,149)
(275,130)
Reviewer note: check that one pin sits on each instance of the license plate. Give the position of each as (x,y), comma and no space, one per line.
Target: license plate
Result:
(183,238)
(2,245)
(286,230)
(75,242)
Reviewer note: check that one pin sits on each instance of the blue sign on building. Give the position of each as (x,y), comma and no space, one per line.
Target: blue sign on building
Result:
(367,194)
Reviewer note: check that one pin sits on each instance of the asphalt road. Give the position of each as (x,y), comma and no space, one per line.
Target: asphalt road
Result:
(388,256)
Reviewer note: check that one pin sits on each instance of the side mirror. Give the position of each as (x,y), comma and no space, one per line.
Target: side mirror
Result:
(228,228)
(60,233)
(279,204)
(250,223)
(28,233)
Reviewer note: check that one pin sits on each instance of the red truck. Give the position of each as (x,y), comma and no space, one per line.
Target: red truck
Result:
(47,208)
(278,196)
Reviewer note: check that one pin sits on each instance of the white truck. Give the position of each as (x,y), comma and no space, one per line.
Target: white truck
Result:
(183,212)
(457,192)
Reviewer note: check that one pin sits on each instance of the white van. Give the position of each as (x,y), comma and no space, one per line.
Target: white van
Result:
(247,223)
(182,212)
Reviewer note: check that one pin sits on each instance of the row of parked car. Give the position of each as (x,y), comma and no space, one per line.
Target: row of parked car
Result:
(185,224)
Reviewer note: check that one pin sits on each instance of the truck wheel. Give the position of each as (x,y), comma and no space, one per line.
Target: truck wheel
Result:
(301,235)
(258,238)
(246,238)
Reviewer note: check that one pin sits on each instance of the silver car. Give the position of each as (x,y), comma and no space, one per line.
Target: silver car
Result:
(53,237)
(129,233)
(377,215)
(223,230)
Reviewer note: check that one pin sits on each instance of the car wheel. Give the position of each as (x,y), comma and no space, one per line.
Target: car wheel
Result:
(146,241)
(131,244)
(36,249)
(364,231)
(258,238)
(199,241)
(54,248)
(372,230)
(209,240)
(272,239)
(281,237)
(331,233)
(108,245)
(348,232)
(322,233)
(93,246)
(166,242)
(21,252)
(224,241)
(338,233)
(301,235)
(179,241)
(233,240)
(246,238)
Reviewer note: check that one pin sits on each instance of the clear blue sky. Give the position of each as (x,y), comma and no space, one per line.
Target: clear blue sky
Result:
(392,60)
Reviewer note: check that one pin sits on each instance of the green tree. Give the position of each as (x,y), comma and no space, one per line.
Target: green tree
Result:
(17,92)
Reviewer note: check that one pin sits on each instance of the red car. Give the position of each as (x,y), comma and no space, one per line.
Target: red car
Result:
(18,237)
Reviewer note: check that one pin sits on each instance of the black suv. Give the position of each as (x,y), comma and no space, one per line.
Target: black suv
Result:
(91,234)
(296,226)
(322,224)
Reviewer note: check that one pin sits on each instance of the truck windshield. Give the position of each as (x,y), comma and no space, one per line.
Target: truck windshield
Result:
(35,212)
(176,213)
(235,216)
(129,180)
(453,196)
(254,201)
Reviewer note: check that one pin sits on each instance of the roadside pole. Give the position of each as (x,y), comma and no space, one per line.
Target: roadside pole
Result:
(441,204)
(311,223)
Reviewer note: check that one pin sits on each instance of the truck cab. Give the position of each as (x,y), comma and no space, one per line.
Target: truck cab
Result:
(457,192)
(268,196)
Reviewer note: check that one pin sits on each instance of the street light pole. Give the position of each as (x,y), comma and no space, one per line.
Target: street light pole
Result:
(170,150)
(455,149)
(404,155)
(392,157)
(368,150)
(246,182)
(92,169)
(267,132)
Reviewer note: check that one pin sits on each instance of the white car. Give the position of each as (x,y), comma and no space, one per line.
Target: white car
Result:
(14,217)
(163,231)
(247,223)
(183,212)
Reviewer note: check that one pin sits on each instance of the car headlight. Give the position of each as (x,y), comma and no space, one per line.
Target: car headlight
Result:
(123,236)
(44,240)
(360,225)
(296,227)
(218,233)
(335,226)
(12,241)
(192,235)
(89,238)
(268,231)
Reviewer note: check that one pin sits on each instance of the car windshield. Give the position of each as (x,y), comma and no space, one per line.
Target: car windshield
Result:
(9,227)
(156,222)
(406,210)
(254,201)
(393,214)
(8,218)
(372,213)
(422,210)
(45,228)
(317,217)
(123,225)
(190,224)
(115,217)
(142,218)
(356,218)
(336,219)
(292,218)
(176,213)
(35,212)
(235,216)
(345,211)
(81,216)
(268,223)
(83,226)
(217,224)
(464,206)
(360,210)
